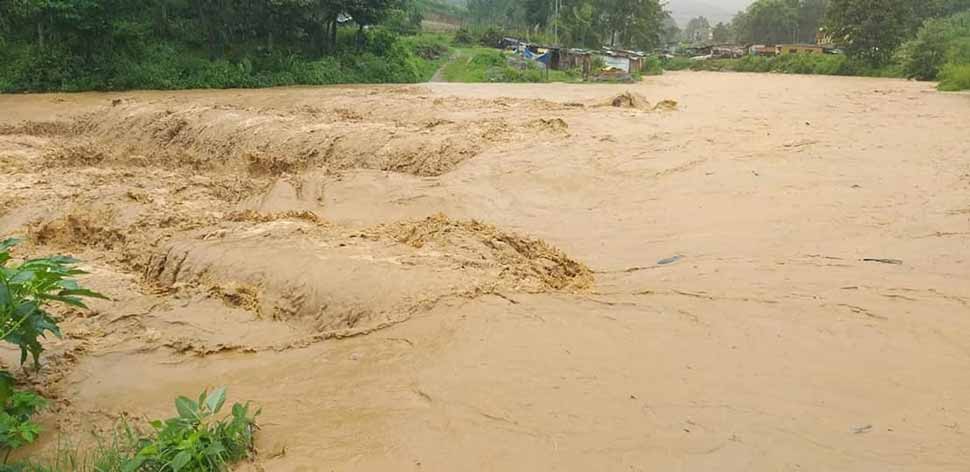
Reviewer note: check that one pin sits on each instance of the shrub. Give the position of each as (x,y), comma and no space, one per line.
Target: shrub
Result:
(463,37)
(955,77)
(16,427)
(26,289)
(652,66)
(386,57)
(491,38)
(196,440)
(938,42)
(677,63)
(822,64)
(489,58)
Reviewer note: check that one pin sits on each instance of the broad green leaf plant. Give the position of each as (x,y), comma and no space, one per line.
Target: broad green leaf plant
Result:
(196,440)
(25,290)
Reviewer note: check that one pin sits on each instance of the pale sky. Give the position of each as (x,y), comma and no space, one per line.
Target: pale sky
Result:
(714,10)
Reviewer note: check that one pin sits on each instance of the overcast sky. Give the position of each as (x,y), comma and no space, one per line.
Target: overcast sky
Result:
(714,10)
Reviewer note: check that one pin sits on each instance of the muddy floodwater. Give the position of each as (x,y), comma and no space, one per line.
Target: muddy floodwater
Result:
(698,272)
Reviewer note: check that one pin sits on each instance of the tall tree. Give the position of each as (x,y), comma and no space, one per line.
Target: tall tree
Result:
(698,30)
(632,23)
(870,29)
(721,33)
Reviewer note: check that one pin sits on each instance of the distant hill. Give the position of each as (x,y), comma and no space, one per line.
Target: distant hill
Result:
(714,10)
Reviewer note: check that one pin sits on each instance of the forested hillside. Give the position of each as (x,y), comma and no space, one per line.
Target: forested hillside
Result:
(120,44)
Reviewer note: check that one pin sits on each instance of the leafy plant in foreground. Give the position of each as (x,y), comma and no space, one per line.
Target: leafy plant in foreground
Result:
(16,409)
(196,440)
(25,290)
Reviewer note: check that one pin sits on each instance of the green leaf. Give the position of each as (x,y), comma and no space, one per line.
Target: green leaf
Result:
(186,408)
(73,301)
(23,276)
(68,284)
(216,399)
(8,243)
(181,460)
(134,464)
(6,386)
(82,292)
(4,295)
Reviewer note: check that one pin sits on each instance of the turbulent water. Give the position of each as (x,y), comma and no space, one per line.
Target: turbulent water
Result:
(698,272)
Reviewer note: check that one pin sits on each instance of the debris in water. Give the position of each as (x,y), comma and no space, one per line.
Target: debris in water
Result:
(669,260)
(862,429)
(884,261)
(666,105)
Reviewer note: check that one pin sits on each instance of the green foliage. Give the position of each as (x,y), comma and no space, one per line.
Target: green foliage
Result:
(491,38)
(636,24)
(107,454)
(938,42)
(872,30)
(779,21)
(697,30)
(25,290)
(16,428)
(71,45)
(464,37)
(491,65)
(652,66)
(955,77)
(196,440)
(385,58)
(819,64)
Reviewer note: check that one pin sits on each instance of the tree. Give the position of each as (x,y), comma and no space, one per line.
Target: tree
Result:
(721,33)
(578,26)
(698,30)
(811,14)
(670,32)
(633,23)
(870,29)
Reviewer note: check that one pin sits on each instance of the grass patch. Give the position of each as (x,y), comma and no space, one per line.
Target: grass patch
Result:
(198,439)
(954,77)
(480,64)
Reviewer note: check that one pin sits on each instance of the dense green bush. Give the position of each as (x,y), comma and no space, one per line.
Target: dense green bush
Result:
(955,77)
(489,58)
(385,58)
(491,38)
(196,440)
(464,37)
(677,63)
(821,64)
(939,42)
(652,66)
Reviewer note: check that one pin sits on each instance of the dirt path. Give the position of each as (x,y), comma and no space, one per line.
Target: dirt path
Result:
(439,75)
(516,277)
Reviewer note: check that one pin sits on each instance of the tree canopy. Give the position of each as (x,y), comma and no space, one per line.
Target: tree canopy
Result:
(637,24)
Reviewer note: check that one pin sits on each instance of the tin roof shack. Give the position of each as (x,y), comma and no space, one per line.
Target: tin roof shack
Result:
(630,62)
(581,59)
(551,56)
(800,49)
